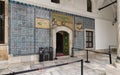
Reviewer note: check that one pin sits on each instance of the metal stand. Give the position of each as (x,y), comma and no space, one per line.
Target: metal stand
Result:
(87,61)
(82,67)
(48,67)
(72,55)
(110,57)
(56,57)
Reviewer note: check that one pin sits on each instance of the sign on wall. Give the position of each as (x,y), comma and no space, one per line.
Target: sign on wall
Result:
(62,20)
(42,23)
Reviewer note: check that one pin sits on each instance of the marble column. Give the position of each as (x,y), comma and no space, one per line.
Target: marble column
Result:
(118,23)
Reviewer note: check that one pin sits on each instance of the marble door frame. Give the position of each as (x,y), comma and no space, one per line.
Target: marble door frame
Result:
(66,29)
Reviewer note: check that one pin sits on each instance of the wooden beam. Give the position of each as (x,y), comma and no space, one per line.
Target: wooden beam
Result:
(107,5)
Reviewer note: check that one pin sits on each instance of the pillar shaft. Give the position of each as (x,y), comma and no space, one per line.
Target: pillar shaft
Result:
(118,19)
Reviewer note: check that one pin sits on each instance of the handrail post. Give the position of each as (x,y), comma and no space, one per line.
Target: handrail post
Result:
(82,67)
(110,58)
(87,61)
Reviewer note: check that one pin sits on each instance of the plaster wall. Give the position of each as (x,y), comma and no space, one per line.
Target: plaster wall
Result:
(105,34)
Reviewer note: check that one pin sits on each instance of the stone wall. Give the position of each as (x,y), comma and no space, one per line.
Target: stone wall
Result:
(3,53)
(4,46)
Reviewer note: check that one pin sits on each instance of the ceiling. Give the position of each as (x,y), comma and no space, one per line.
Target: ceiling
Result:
(102,3)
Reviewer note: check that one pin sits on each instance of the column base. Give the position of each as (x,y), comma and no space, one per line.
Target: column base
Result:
(55,58)
(87,61)
(118,59)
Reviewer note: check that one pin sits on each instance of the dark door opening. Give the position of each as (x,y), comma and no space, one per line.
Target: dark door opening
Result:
(62,43)
(59,39)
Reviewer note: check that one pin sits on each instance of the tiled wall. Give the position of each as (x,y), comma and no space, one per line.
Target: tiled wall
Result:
(25,38)
(41,35)
(21,29)
(41,39)
(87,23)
(79,40)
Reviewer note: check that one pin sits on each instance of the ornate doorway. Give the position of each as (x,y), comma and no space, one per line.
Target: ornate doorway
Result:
(62,43)
(69,38)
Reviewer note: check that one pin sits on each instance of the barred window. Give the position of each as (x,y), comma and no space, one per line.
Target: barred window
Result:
(55,1)
(89,6)
(89,39)
(2,26)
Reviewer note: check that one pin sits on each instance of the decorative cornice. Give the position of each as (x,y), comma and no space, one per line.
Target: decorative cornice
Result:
(57,9)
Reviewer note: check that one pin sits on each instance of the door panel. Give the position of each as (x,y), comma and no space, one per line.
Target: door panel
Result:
(66,43)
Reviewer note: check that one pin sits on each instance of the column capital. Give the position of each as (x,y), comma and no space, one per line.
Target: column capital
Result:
(118,22)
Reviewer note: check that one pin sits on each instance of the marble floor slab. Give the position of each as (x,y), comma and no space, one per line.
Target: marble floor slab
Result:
(95,67)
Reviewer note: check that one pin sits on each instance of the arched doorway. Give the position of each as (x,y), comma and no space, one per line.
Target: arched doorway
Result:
(54,35)
(62,43)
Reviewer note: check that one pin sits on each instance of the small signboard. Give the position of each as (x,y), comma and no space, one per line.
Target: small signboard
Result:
(42,23)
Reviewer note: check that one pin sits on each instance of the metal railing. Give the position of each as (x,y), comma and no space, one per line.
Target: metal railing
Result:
(48,67)
(112,47)
(87,55)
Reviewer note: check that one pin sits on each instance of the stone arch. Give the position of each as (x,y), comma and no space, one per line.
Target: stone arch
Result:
(69,31)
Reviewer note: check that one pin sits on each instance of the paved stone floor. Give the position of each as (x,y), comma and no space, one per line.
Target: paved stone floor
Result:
(95,67)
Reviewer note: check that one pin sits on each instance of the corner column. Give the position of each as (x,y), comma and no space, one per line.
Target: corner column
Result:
(118,23)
